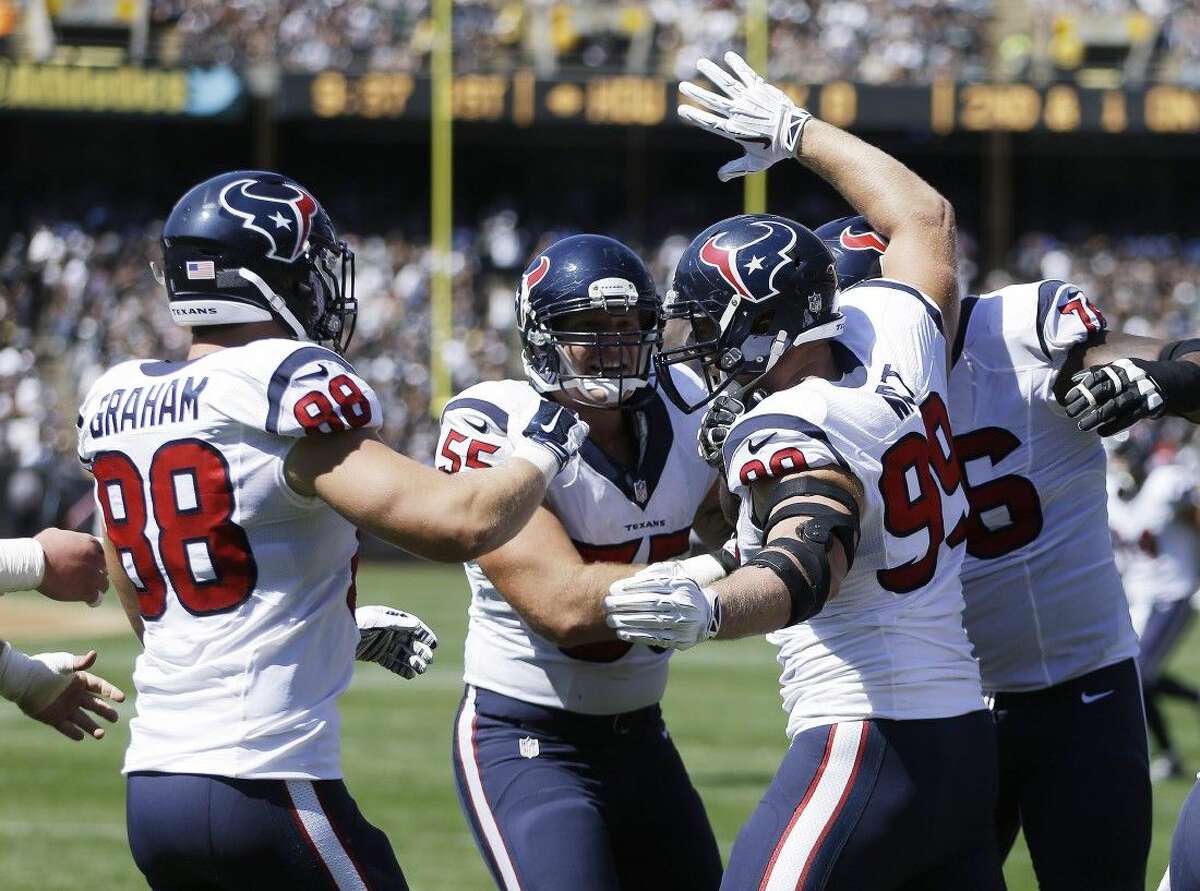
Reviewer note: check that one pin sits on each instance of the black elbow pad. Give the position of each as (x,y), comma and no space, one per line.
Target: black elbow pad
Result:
(1178,348)
(802,564)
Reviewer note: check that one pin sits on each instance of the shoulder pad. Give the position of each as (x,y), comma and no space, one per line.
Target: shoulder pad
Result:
(493,401)
(313,390)
(1037,323)
(474,425)
(779,436)
(879,288)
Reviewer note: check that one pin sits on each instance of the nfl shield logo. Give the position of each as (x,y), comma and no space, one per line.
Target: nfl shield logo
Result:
(528,747)
(814,303)
(639,491)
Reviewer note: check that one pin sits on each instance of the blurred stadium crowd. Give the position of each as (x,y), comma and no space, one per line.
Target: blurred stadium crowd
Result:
(871,41)
(75,299)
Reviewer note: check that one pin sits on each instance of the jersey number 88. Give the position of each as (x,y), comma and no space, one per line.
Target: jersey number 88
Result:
(206,556)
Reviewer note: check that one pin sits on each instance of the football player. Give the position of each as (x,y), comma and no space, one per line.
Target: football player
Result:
(56,688)
(1155,532)
(1184,871)
(231,486)
(1108,398)
(566,772)
(852,510)
(1053,637)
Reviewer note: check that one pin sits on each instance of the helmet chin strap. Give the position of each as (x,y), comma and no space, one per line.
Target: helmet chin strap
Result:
(276,302)
(781,345)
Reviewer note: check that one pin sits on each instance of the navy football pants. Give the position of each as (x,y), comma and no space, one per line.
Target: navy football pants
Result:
(560,801)
(877,806)
(1185,846)
(190,832)
(1074,772)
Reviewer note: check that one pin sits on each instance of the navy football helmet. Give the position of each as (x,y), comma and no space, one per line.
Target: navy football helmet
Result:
(857,249)
(250,246)
(751,287)
(589,274)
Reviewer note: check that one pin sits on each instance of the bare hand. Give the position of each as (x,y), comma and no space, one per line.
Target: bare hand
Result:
(67,714)
(75,569)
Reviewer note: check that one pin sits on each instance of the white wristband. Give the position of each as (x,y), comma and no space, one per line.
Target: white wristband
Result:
(539,457)
(33,682)
(22,564)
(704,570)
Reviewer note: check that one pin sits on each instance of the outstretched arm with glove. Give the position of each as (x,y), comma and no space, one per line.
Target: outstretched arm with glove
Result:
(1120,379)
(917,221)
(810,536)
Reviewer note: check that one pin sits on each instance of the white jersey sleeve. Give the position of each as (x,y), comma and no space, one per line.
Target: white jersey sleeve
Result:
(474,430)
(770,444)
(1029,331)
(309,390)
(1066,318)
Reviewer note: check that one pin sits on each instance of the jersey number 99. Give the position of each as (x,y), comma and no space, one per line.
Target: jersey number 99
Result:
(931,462)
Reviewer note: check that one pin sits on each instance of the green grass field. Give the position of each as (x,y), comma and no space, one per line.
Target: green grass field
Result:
(62,822)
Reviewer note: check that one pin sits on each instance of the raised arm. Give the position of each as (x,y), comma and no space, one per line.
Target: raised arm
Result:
(917,221)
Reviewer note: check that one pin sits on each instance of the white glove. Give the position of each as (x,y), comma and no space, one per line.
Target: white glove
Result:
(754,114)
(397,640)
(662,611)
(548,438)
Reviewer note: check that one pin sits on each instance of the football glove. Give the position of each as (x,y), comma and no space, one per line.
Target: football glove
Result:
(397,640)
(550,439)
(667,610)
(1110,398)
(714,428)
(757,116)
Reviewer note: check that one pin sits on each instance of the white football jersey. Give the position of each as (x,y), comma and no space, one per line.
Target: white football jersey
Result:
(1159,547)
(245,587)
(613,514)
(1044,600)
(891,643)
